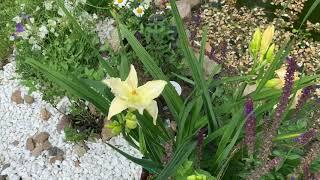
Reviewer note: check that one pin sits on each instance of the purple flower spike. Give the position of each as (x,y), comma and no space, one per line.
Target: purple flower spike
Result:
(19,28)
(250,126)
(306,137)
(286,92)
(305,95)
(201,135)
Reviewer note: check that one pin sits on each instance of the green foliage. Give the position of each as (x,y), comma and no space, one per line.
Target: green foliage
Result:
(158,37)
(8,9)
(63,49)
(73,135)
(213,112)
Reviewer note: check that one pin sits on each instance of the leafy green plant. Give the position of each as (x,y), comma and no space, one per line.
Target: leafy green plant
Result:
(219,126)
(8,9)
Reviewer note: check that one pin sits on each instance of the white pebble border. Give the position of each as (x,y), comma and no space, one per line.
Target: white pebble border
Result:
(20,121)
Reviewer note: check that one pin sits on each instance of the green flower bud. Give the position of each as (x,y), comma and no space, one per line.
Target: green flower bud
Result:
(192,177)
(116,130)
(115,127)
(270,55)
(131,124)
(274,83)
(131,120)
(255,42)
(266,40)
(201,177)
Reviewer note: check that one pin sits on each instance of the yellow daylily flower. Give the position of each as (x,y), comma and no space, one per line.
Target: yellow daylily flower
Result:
(266,40)
(129,95)
(278,83)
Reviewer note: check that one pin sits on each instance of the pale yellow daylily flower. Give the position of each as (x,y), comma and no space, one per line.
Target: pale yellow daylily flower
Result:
(129,95)
(266,40)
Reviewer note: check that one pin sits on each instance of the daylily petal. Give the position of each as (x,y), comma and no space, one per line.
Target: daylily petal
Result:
(266,39)
(116,107)
(153,111)
(296,99)
(132,78)
(281,73)
(152,89)
(118,87)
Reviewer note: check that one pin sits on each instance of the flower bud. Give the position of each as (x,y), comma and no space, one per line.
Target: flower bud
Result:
(255,42)
(274,83)
(116,130)
(197,177)
(115,127)
(270,55)
(131,124)
(266,40)
(131,120)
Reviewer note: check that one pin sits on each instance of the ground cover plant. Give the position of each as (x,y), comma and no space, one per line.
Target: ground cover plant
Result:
(257,125)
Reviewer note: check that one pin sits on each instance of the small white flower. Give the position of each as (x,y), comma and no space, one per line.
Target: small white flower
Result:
(24,35)
(28,26)
(32,40)
(120,3)
(36,47)
(12,38)
(22,6)
(94,16)
(37,8)
(48,5)
(139,11)
(43,31)
(61,12)
(31,20)
(52,23)
(17,19)
(128,5)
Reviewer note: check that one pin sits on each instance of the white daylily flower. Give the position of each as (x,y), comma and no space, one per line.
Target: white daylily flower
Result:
(129,95)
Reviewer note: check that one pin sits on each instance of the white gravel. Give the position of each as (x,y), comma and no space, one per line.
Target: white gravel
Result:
(18,122)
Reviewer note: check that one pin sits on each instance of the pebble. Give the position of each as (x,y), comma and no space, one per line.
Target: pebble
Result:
(16,97)
(45,114)
(28,99)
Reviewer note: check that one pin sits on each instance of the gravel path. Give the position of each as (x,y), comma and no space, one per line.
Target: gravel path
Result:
(18,122)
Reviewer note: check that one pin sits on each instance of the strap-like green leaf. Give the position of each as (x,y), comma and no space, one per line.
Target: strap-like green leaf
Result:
(180,156)
(73,85)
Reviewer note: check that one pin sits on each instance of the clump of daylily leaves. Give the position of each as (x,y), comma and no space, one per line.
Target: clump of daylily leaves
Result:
(218,128)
